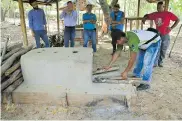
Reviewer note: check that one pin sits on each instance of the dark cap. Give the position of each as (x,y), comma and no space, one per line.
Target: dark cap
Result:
(116,6)
(31,1)
(160,3)
(69,2)
(89,5)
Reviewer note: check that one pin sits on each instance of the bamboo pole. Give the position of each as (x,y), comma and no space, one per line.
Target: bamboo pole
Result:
(57,8)
(166,4)
(23,25)
(99,17)
(138,14)
(131,27)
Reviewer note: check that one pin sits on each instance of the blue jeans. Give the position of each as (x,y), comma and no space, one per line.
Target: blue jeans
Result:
(41,34)
(145,61)
(165,41)
(69,35)
(90,35)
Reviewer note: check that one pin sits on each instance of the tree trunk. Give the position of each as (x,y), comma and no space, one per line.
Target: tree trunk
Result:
(13,46)
(11,53)
(2,15)
(12,78)
(10,60)
(105,8)
(12,69)
(4,49)
(114,2)
(8,91)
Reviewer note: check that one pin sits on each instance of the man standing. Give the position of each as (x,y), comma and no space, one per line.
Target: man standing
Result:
(70,19)
(89,25)
(162,20)
(146,44)
(117,21)
(37,24)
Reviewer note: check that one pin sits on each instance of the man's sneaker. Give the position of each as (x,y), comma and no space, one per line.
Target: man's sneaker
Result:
(160,65)
(143,87)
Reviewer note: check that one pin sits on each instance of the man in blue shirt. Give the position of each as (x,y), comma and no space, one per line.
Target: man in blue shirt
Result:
(37,24)
(116,26)
(89,25)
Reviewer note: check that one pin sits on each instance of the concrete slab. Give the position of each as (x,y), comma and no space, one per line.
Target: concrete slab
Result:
(58,66)
(60,95)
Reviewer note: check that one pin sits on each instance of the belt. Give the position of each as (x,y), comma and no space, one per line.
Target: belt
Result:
(69,26)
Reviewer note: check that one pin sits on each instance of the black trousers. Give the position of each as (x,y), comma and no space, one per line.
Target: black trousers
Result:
(115,36)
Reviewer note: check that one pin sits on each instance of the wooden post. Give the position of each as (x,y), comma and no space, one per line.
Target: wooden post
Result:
(138,14)
(126,21)
(151,23)
(57,8)
(47,18)
(166,4)
(125,7)
(23,25)
(141,25)
(99,17)
(131,22)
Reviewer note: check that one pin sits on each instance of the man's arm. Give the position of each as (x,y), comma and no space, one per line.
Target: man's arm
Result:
(114,57)
(150,16)
(130,64)
(94,20)
(85,21)
(30,19)
(44,21)
(122,20)
(175,24)
(131,61)
(175,19)
(63,14)
(75,15)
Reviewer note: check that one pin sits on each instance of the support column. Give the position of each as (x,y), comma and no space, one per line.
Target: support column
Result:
(166,4)
(23,25)
(57,8)
(138,14)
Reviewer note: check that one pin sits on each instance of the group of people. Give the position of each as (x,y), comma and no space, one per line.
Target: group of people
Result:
(147,47)
(37,24)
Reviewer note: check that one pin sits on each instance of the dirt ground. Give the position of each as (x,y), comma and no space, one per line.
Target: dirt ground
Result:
(162,101)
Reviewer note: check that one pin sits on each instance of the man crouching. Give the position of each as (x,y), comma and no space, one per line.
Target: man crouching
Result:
(144,46)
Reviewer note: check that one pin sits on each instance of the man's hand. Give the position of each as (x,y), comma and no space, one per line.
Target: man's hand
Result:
(144,18)
(92,21)
(124,75)
(33,34)
(106,67)
(87,21)
(169,29)
(65,9)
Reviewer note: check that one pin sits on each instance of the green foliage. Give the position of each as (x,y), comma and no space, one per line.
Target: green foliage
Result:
(176,7)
